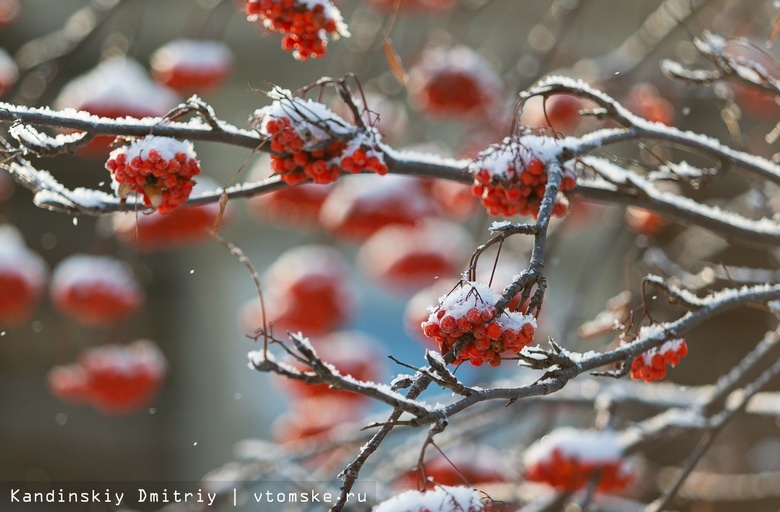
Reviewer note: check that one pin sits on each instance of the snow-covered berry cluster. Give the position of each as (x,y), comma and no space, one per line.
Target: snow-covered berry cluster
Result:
(568,459)
(651,366)
(22,278)
(454,82)
(306,290)
(305,24)
(95,290)
(192,66)
(441,499)
(309,141)
(182,227)
(469,310)
(115,379)
(159,168)
(511,179)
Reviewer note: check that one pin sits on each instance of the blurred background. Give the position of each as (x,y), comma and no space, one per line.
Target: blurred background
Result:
(195,295)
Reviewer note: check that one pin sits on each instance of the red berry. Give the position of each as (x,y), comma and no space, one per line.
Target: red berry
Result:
(651,365)
(22,277)
(95,290)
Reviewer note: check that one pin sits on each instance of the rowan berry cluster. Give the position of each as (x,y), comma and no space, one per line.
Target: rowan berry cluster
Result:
(569,459)
(192,66)
(95,290)
(22,277)
(309,141)
(115,379)
(651,366)
(305,24)
(159,168)
(454,82)
(511,179)
(470,311)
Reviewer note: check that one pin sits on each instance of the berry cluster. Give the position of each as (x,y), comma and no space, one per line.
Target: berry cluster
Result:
(405,257)
(22,277)
(469,310)
(651,365)
(192,66)
(159,168)
(95,290)
(454,82)
(568,459)
(115,379)
(309,141)
(305,24)
(358,208)
(306,290)
(511,179)
(117,87)
(182,227)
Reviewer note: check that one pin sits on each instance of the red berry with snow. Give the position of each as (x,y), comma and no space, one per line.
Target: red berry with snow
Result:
(468,313)
(305,290)
(22,277)
(651,366)
(511,178)
(569,459)
(183,227)
(192,66)
(305,24)
(409,257)
(117,87)
(350,353)
(310,142)
(95,290)
(115,379)
(441,499)
(454,83)
(359,207)
(158,168)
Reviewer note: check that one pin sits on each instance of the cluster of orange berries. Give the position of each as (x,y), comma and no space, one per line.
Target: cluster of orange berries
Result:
(159,168)
(568,459)
(470,310)
(651,365)
(305,24)
(311,142)
(115,379)
(511,180)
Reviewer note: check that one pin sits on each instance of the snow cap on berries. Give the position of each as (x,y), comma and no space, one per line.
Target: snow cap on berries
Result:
(117,87)
(96,290)
(158,168)
(454,82)
(470,310)
(191,64)
(511,177)
(440,499)
(651,365)
(568,458)
(16,258)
